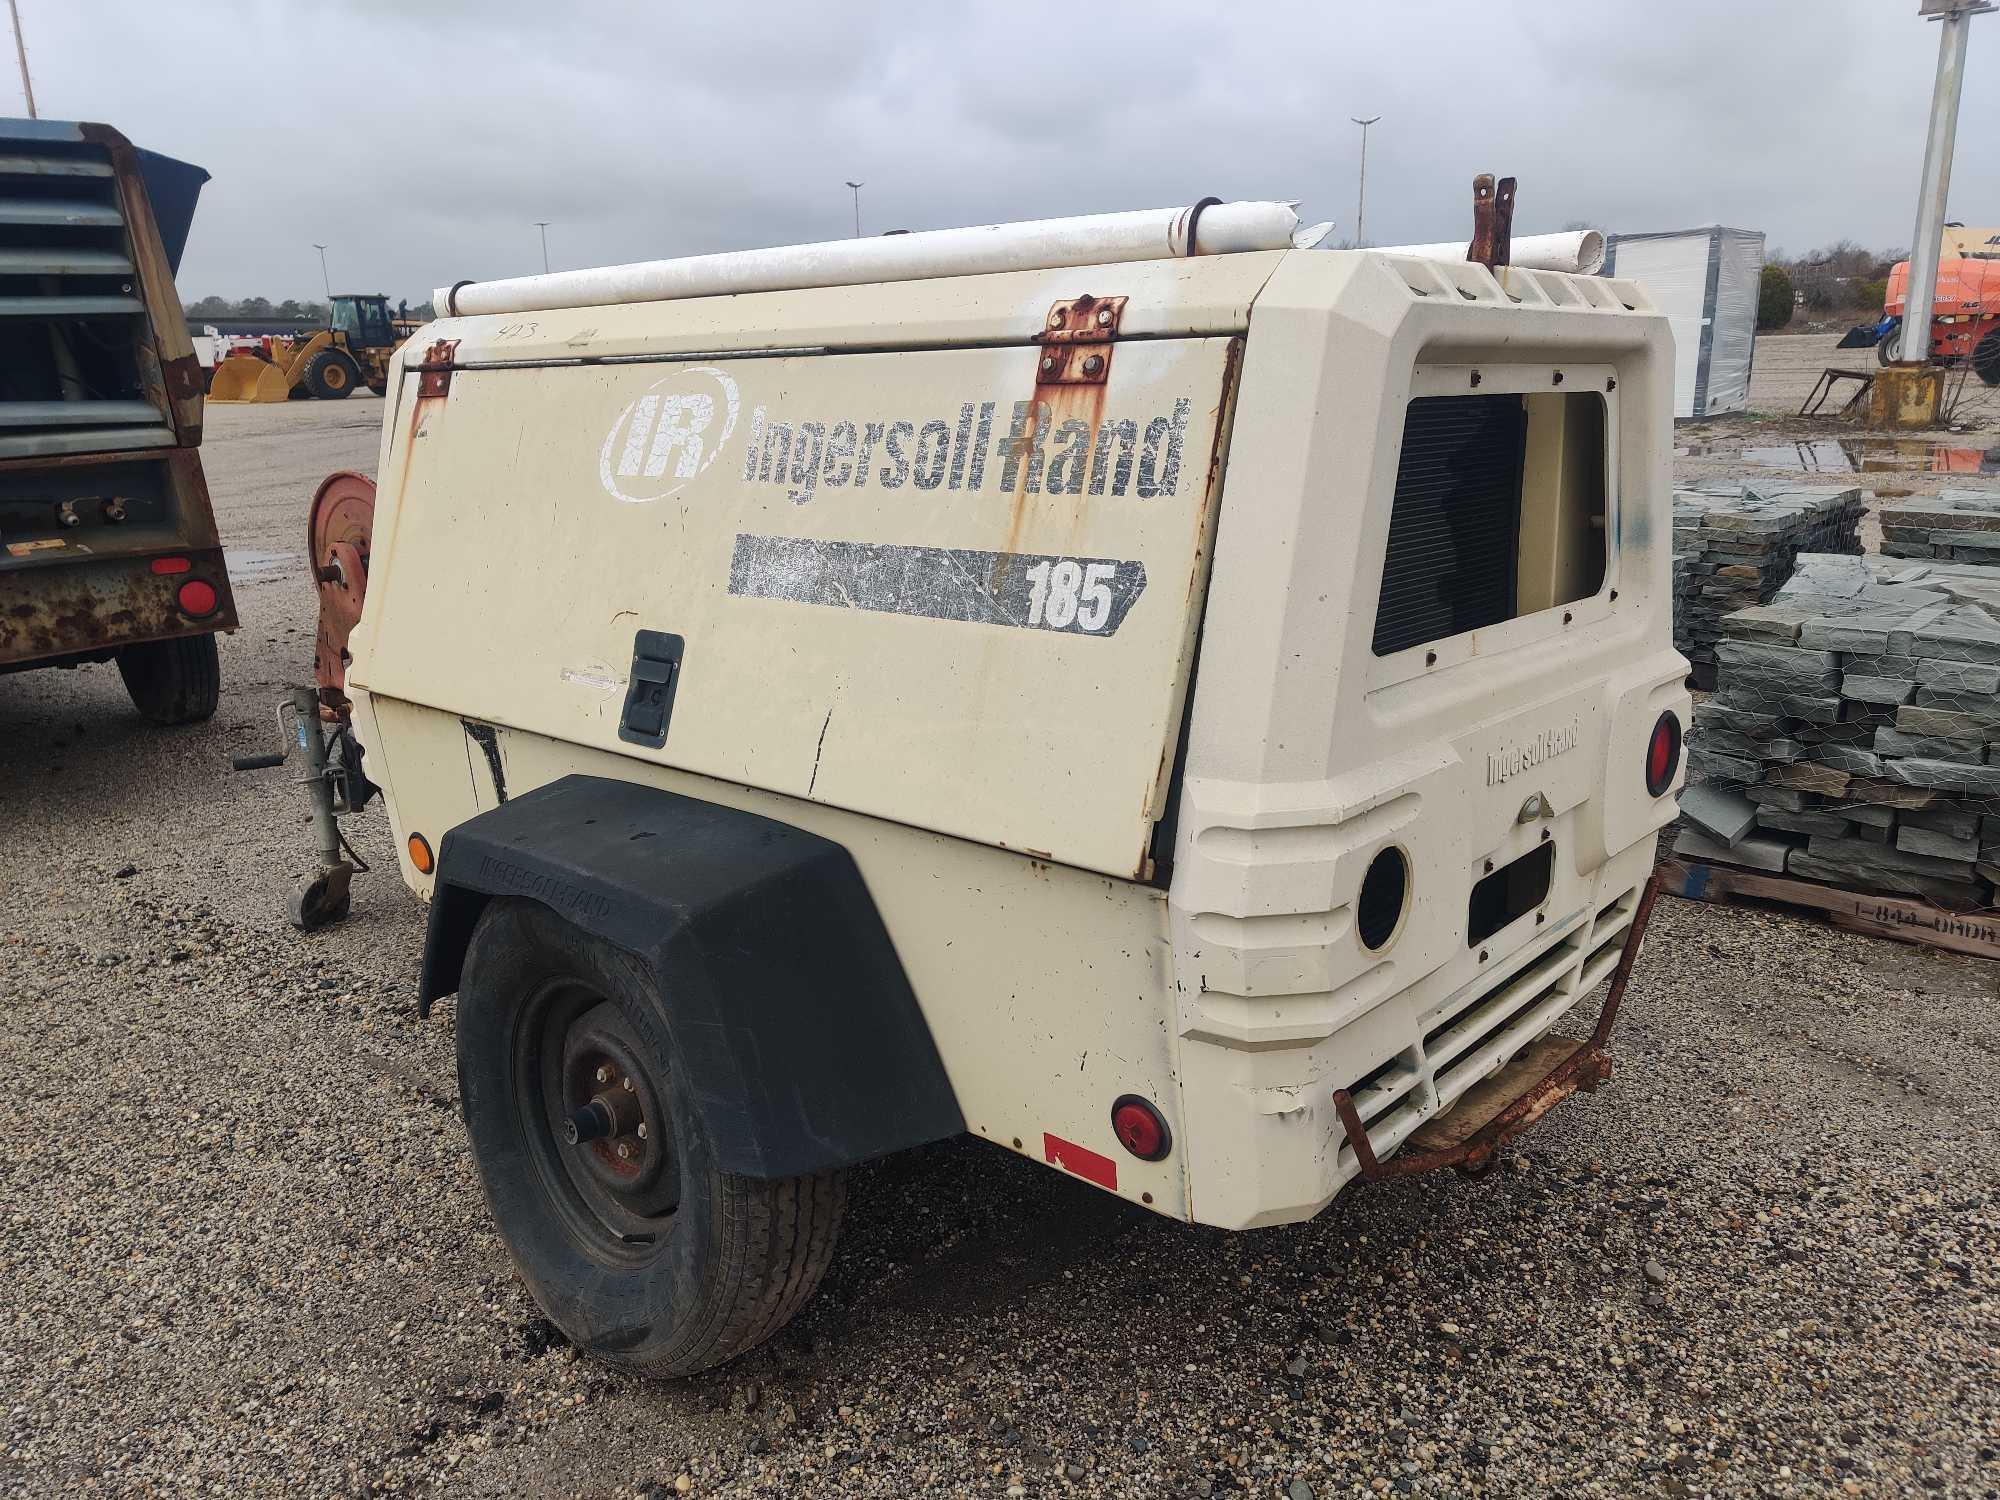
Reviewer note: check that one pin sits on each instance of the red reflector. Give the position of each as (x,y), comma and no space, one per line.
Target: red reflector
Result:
(171,565)
(196,598)
(1085,1163)
(1140,1129)
(1663,754)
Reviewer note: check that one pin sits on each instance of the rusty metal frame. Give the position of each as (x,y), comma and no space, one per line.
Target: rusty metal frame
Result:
(1492,221)
(1582,1071)
(169,369)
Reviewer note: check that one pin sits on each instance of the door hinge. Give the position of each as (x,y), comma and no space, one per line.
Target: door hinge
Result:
(435,379)
(1076,340)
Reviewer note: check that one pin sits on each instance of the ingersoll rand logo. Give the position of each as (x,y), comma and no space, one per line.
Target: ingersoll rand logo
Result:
(1543,745)
(668,434)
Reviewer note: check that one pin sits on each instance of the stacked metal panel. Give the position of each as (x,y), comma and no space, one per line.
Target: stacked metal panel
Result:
(1854,734)
(1734,547)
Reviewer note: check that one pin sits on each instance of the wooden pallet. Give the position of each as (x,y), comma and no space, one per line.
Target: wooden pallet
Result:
(1896,917)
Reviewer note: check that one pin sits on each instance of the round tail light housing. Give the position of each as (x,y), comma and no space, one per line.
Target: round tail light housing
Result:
(197,598)
(1140,1128)
(1663,754)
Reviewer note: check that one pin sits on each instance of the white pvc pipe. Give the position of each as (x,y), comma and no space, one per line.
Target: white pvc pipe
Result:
(1578,251)
(1097,239)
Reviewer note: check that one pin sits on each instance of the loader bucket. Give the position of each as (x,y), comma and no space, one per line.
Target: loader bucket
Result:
(248,379)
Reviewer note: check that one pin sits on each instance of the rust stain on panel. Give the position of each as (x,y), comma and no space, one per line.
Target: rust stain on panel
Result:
(94,606)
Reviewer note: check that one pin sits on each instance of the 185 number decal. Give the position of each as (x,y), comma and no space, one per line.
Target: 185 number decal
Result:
(1063,592)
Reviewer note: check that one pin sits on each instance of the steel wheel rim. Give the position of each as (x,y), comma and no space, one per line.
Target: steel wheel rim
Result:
(617,1204)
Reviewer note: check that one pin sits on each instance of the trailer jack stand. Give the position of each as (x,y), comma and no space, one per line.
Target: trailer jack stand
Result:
(321,899)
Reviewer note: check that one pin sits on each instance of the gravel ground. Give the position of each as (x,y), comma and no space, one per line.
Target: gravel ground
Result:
(242,1247)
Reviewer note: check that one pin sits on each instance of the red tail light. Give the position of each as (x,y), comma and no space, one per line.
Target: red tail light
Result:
(166,565)
(197,598)
(1663,754)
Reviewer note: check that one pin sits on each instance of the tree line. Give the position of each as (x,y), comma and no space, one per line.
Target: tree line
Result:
(290,309)
(1842,280)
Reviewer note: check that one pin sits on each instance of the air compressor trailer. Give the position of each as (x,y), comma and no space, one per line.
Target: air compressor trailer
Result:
(1196,719)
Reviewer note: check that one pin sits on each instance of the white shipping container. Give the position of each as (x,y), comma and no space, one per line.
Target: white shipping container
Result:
(1705,281)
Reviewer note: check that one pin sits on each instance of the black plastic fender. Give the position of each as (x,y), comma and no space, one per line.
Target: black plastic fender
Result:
(804,1045)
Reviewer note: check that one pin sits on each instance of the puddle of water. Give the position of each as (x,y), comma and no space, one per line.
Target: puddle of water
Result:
(1856,456)
(246,565)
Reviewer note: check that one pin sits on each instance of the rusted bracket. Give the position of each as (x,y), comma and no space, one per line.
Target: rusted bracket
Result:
(436,368)
(1583,1070)
(1492,221)
(1076,341)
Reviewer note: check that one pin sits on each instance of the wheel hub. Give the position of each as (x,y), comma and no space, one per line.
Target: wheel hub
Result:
(608,1115)
(612,1116)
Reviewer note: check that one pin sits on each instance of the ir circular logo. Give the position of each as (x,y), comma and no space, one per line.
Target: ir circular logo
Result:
(668,434)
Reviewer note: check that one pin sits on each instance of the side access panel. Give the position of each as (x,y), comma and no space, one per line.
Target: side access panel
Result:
(919,585)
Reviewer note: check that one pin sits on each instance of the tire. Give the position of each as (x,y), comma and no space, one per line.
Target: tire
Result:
(331,376)
(662,1263)
(1885,347)
(173,682)
(1986,357)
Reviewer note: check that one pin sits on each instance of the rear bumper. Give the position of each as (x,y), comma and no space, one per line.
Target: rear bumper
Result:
(1495,1110)
(1263,1124)
(88,607)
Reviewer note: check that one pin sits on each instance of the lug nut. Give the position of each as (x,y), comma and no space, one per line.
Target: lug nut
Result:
(624,1150)
(626,1083)
(642,1130)
(604,1075)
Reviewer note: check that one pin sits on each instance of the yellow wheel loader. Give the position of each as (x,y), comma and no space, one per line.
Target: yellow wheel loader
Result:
(329,364)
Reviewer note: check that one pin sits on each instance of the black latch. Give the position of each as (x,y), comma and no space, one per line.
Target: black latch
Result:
(649,697)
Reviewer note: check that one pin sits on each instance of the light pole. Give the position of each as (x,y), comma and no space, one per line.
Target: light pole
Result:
(543,225)
(1361,199)
(21,52)
(857,186)
(325,284)
(1913,339)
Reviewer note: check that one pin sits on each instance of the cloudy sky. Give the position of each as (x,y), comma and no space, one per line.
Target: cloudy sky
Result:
(420,139)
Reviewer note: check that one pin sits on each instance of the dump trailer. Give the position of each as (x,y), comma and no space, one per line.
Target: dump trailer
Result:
(1190,710)
(108,546)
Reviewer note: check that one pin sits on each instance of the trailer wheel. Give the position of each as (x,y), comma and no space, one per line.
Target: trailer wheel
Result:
(1986,357)
(596,1167)
(331,376)
(173,682)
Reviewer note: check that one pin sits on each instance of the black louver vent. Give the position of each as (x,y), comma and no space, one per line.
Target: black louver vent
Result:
(1454,534)
(78,371)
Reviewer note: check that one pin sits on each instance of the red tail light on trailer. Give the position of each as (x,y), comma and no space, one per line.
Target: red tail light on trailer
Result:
(1663,754)
(197,598)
